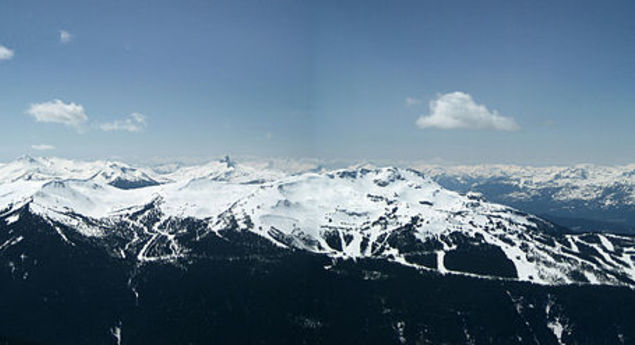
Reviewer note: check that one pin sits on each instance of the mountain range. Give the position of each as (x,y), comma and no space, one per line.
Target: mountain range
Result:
(583,198)
(70,230)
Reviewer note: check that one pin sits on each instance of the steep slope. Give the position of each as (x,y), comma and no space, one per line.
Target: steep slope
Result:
(238,287)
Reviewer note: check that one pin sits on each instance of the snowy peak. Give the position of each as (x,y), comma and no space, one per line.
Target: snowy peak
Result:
(87,198)
(26,168)
(224,170)
(120,175)
(361,204)
(125,177)
(228,162)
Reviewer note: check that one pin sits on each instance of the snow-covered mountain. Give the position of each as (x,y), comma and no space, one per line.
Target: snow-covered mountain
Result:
(585,197)
(388,213)
(121,175)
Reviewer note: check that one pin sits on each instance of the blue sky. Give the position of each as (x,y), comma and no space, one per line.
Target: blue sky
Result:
(509,81)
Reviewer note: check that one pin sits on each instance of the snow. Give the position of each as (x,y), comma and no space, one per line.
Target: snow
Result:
(557,329)
(27,168)
(10,242)
(87,198)
(64,238)
(583,182)
(12,219)
(440,262)
(400,328)
(315,203)
(555,323)
(606,243)
(360,206)
(116,333)
(574,247)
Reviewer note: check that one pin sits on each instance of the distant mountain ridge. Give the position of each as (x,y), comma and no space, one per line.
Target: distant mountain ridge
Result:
(583,197)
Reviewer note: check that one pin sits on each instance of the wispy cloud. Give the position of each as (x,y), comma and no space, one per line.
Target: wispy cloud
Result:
(412,101)
(65,37)
(56,111)
(135,122)
(5,53)
(43,147)
(458,110)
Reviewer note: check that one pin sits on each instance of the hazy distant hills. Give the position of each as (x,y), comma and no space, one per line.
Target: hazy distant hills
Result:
(583,197)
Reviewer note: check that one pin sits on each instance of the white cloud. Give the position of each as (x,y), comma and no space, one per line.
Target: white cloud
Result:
(135,122)
(43,147)
(65,37)
(56,111)
(412,101)
(5,53)
(458,110)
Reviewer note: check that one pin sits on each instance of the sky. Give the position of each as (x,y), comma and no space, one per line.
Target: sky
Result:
(525,82)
